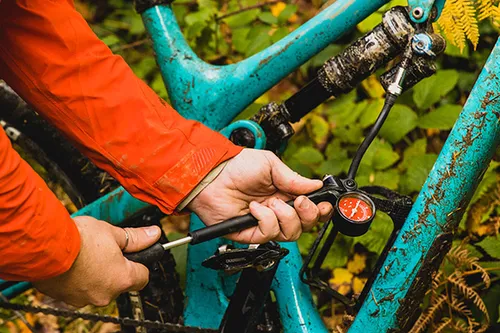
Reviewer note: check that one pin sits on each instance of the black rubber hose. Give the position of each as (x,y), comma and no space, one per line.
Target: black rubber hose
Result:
(389,103)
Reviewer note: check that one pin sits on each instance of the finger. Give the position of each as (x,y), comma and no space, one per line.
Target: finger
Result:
(288,219)
(287,180)
(138,238)
(138,277)
(307,211)
(325,211)
(267,229)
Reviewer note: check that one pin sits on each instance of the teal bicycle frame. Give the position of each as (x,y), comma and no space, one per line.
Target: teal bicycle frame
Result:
(214,95)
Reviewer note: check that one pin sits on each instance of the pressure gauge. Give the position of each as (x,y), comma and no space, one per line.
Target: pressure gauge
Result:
(353,213)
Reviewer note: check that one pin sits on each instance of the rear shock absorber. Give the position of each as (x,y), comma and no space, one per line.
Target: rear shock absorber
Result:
(342,73)
(339,75)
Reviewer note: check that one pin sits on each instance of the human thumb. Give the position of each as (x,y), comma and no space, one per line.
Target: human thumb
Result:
(287,180)
(138,238)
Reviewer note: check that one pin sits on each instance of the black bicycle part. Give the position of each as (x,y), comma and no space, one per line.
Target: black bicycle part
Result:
(142,5)
(232,260)
(385,200)
(82,180)
(90,181)
(390,100)
(148,256)
(251,296)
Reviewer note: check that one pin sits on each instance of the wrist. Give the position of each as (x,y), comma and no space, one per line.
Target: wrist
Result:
(189,201)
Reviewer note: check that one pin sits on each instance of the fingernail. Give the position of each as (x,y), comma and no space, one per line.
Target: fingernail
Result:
(151,231)
(304,203)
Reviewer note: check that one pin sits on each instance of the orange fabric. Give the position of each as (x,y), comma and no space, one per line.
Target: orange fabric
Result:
(38,239)
(53,60)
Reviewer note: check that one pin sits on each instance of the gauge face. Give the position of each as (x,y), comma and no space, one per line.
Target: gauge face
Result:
(356,207)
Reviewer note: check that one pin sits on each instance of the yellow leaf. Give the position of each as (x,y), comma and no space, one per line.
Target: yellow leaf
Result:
(276,9)
(341,280)
(293,18)
(358,284)
(357,264)
(373,87)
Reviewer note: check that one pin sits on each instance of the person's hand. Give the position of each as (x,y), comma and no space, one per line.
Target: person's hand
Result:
(100,272)
(256,181)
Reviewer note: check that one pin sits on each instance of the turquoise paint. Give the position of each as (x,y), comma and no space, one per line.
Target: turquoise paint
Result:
(15,289)
(252,126)
(214,95)
(426,5)
(228,84)
(443,198)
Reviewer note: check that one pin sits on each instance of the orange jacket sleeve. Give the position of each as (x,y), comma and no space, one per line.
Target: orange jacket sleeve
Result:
(53,60)
(38,239)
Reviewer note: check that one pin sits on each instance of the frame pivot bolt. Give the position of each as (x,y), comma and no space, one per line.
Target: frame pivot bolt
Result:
(418,13)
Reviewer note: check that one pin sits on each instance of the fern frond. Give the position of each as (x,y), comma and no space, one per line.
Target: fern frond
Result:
(484,9)
(448,26)
(443,324)
(425,318)
(470,294)
(484,274)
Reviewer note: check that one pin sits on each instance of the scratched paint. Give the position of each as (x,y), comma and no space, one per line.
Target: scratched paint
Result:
(214,95)
(440,205)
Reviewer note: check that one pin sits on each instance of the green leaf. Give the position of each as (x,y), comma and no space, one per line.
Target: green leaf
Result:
(417,173)
(389,179)
(144,67)
(380,155)
(240,40)
(416,149)
(110,40)
(309,156)
(370,22)
(243,19)
(299,167)
(400,122)
(136,25)
(279,34)
(159,87)
(429,91)
(346,113)
(490,245)
(371,112)
(318,129)
(287,13)
(339,253)
(334,149)
(380,230)
(489,180)
(442,118)
(260,39)
(333,166)
(349,134)
(268,18)
(305,242)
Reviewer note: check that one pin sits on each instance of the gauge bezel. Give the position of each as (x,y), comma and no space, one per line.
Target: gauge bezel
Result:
(362,197)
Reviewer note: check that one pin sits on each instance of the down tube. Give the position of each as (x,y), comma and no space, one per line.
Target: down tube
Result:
(426,235)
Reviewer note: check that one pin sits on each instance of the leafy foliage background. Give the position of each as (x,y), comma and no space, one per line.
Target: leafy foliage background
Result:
(226,31)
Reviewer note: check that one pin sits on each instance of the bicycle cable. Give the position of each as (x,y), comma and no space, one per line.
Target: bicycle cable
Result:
(393,92)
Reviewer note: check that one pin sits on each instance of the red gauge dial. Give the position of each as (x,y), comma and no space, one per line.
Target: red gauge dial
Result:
(355,208)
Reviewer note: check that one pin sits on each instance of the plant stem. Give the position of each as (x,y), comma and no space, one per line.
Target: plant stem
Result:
(131,45)
(244,9)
